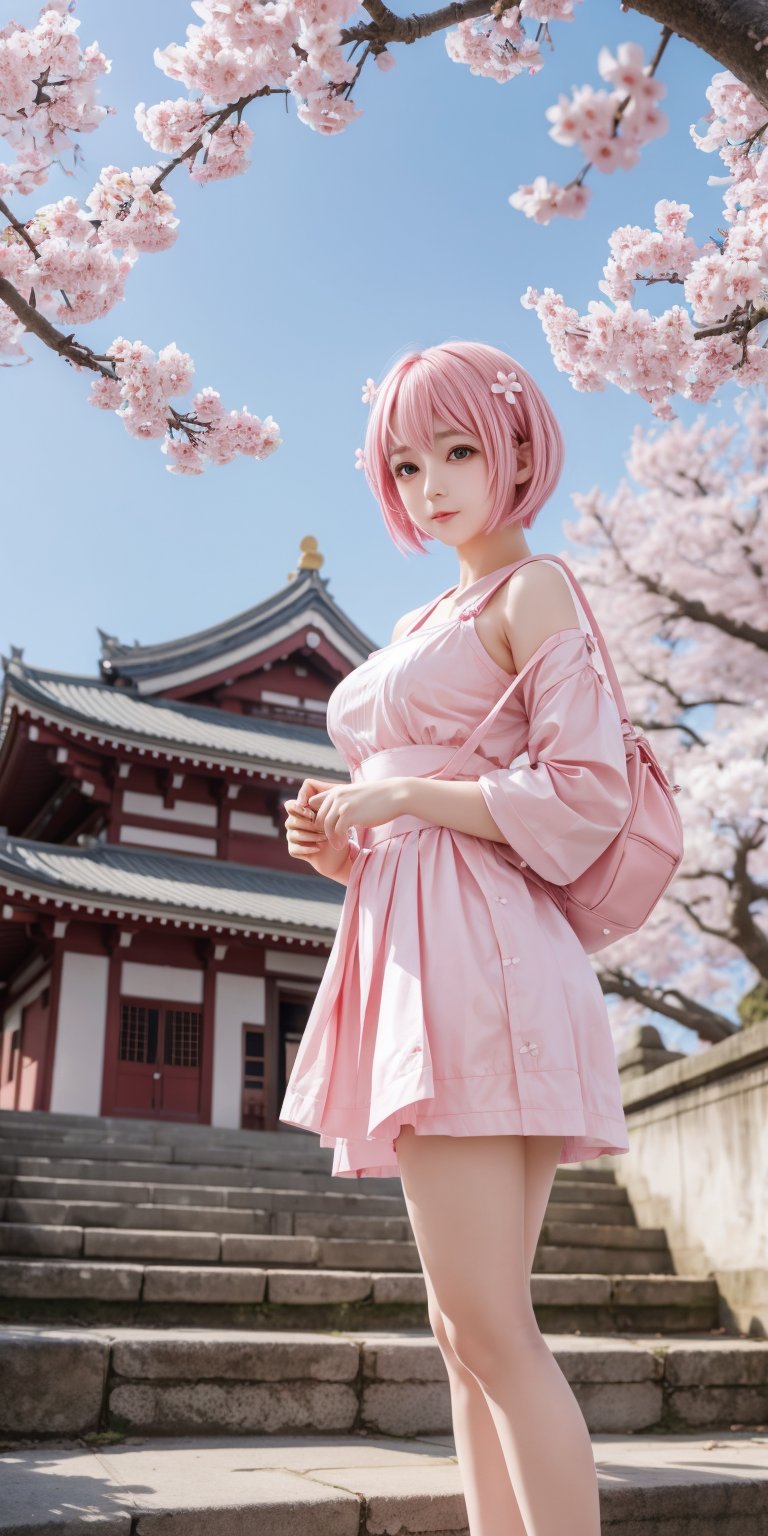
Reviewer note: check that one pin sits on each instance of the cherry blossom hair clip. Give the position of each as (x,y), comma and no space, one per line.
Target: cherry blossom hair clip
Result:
(508,385)
(370,391)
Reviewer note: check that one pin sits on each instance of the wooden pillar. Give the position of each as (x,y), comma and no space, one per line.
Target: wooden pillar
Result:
(111,938)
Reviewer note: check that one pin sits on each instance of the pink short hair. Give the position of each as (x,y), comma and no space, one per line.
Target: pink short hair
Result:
(453,381)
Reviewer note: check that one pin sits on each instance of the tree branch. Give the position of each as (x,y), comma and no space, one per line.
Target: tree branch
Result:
(66,346)
(734,32)
(670,1003)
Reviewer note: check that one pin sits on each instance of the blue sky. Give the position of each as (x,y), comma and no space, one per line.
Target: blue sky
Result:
(290,286)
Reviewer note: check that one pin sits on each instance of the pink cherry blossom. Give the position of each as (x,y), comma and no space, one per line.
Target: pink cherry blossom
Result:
(225,153)
(130,214)
(141,392)
(170,127)
(36,123)
(719,338)
(542,200)
(498,49)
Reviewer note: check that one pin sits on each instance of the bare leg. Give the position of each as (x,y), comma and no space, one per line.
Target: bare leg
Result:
(476,1204)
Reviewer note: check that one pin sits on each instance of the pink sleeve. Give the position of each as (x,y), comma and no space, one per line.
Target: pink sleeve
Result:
(562,808)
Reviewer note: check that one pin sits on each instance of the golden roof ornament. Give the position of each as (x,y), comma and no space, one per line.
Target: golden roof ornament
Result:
(310,558)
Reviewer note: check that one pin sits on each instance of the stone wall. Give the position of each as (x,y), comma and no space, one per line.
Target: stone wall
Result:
(698,1162)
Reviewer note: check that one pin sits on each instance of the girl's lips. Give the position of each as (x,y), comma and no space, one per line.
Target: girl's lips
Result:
(440,517)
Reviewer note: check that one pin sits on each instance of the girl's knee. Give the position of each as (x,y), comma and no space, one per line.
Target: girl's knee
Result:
(493,1350)
(458,1372)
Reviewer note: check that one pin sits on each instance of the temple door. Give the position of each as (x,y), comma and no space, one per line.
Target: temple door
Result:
(158,1070)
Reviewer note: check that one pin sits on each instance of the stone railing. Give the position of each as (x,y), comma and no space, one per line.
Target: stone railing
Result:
(698,1161)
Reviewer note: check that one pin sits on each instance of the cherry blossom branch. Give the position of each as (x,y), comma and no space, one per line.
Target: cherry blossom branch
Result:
(68,347)
(214,121)
(666,34)
(20,228)
(741,929)
(681,606)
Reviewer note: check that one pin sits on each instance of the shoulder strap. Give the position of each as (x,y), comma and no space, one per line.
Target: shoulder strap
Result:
(609,667)
(426,611)
(501,573)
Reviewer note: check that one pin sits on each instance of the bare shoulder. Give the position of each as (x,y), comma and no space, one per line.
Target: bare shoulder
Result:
(538,603)
(405,622)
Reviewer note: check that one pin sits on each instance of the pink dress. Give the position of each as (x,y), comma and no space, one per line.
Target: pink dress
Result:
(457,997)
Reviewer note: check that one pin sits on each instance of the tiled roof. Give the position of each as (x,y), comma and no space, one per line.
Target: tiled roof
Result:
(303,601)
(109,880)
(119,715)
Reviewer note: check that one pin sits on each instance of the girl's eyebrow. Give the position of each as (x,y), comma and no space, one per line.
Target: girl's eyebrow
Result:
(453,432)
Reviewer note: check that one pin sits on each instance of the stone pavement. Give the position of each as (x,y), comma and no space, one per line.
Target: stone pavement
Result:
(681,1485)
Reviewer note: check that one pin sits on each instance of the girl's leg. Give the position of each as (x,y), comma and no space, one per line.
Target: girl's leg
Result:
(492,1508)
(467,1200)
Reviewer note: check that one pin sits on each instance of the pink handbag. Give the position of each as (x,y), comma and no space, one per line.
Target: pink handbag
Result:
(616,894)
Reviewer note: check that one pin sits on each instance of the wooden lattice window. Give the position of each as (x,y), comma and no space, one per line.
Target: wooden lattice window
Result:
(144,1025)
(183,1037)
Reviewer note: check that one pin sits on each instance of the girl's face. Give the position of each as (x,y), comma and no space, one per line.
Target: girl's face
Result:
(451,478)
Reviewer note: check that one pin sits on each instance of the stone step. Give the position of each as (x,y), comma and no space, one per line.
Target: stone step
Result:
(583,1248)
(120,1150)
(191,1172)
(363,1485)
(220,1218)
(159,1143)
(166,1218)
(562,1249)
(102,1127)
(200,1174)
(251,1193)
(164,1135)
(93,1290)
(611,1200)
(133,1380)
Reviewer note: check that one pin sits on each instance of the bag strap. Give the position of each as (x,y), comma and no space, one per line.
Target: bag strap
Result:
(468,747)
(609,667)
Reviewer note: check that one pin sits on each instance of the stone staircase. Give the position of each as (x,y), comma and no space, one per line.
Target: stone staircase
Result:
(163,1281)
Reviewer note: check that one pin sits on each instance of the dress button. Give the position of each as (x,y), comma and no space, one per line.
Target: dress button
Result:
(523,863)
(606,930)
(502,899)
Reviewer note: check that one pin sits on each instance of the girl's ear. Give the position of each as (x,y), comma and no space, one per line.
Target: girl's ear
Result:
(524,463)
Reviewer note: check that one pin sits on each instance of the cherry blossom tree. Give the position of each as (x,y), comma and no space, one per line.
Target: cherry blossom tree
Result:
(677,560)
(67,265)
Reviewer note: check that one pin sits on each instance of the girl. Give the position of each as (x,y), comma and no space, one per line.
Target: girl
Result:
(459,1034)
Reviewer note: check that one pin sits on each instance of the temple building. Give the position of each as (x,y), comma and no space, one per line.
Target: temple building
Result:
(159,948)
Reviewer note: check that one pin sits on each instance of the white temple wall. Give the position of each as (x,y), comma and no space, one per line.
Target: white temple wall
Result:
(79,1062)
(239,1001)
(165,983)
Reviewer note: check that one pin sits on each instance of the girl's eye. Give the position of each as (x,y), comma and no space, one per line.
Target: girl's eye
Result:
(460,448)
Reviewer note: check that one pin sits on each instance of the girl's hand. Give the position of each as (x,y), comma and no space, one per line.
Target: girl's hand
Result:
(307,841)
(340,807)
